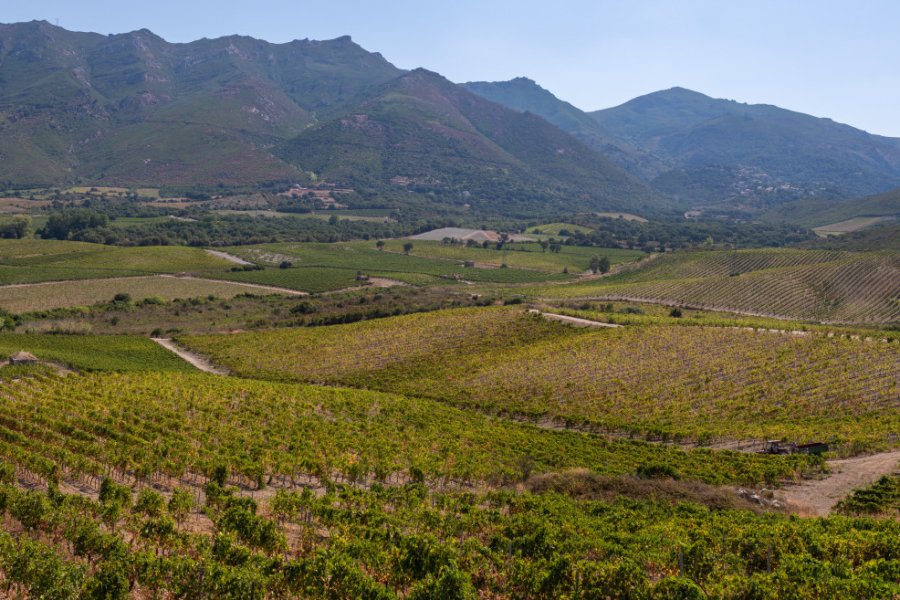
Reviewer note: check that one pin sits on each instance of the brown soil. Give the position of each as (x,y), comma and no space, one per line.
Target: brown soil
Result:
(817,498)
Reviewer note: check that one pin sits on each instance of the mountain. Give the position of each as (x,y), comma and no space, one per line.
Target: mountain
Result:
(524,95)
(421,132)
(753,154)
(133,108)
(817,212)
(706,152)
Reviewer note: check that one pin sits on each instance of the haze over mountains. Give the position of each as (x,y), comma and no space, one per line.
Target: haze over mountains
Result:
(133,109)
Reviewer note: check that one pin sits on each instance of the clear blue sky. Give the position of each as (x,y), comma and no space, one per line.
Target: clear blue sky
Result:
(836,59)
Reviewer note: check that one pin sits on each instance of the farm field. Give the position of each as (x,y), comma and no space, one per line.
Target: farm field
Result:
(408,542)
(850,225)
(182,424)
(32,261)
(696,383)
(346,259)
(242,312)
(25,298)
(576,259)
(94,353)
(815,285)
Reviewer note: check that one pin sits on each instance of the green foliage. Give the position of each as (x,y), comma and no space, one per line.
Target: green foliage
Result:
(660,382)
(70,223)
(95,353)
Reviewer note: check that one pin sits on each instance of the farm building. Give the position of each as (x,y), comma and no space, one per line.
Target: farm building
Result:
(23,358)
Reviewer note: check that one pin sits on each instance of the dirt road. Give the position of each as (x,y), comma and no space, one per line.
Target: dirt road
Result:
(572,320)
(195,359)
(818,498)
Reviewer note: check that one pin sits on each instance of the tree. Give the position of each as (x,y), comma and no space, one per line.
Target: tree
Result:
(407,247)
(380,245)
(18,228)
(64,224)
(595,264)
(544,244)
(604,265)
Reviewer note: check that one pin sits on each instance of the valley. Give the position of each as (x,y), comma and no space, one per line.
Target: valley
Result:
(285,320)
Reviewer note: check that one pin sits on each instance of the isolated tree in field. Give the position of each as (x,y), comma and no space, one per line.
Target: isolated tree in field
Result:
(604,265)
(379,244)
(407,247)
(544,245)
(595,264)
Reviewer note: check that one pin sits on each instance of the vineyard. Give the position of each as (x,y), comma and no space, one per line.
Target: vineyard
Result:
(26,298)
(172,429)
(468,452)
(816,285)
(408,542)
(693,383)
(94,353)
(32,261)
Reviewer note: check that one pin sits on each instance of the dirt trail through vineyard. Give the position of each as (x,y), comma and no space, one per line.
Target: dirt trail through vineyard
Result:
(195,359)
(819,497)
(572,320)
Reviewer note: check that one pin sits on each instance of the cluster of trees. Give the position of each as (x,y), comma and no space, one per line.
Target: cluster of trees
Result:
(658,235)
(18,228)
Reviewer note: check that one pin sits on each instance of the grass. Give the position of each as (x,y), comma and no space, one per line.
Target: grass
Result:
(85,292)
(96,353)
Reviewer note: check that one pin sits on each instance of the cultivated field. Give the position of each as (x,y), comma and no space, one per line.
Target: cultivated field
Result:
(815,285)
(32,261)
(24,298)
(663,381)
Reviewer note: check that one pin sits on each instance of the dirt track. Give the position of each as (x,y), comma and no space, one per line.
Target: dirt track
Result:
(818,498)
(195,359)
(572,320)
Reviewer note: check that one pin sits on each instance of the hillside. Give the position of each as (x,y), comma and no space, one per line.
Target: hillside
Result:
(814,285)
(524,95)
(421,132)
(133,108)
(816,212)
(756,154)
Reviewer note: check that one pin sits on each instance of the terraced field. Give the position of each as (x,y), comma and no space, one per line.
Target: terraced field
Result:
(663,381)
(816,285)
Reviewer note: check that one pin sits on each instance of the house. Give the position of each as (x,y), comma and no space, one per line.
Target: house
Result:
(23,358)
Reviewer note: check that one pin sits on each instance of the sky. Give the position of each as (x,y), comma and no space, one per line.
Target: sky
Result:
(828,58)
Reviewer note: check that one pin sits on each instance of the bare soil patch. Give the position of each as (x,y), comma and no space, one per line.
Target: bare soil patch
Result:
(818,497)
